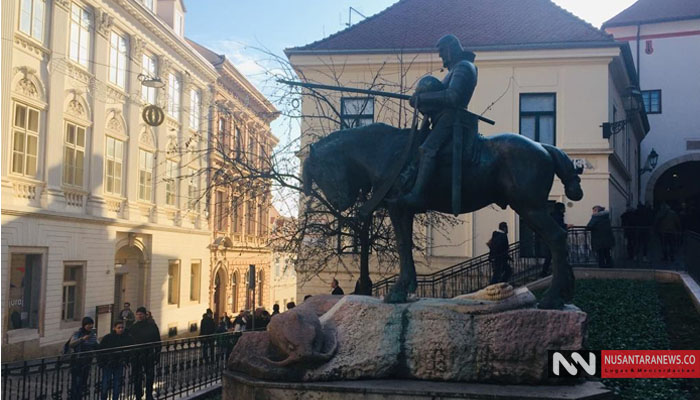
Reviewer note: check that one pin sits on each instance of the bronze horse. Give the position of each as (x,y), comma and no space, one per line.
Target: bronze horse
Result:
(511,170)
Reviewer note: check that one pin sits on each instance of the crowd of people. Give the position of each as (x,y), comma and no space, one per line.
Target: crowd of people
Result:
(130,329)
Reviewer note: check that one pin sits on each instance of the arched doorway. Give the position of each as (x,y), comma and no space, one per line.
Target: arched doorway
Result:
(679,187)
(219,293)
(130,278)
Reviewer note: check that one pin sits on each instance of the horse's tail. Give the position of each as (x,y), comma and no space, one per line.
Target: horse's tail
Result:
(564,168)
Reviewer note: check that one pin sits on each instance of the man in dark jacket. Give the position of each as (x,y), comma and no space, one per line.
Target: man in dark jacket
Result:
(498,254)
(145,359)
(207,327)
(112,363)
(602,239)
(83,340)
(337,290)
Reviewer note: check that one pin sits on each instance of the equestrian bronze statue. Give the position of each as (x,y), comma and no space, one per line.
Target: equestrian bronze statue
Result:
(471,173)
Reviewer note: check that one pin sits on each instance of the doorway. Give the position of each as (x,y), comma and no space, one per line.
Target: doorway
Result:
(219,294)
(119,290)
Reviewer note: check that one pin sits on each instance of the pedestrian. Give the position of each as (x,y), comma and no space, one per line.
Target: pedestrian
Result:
(84,340)
(275,309)
(227,320)
(262,318)
(337,290)
(602,239)
(558,215)
(207,327)
(630,227)
(144,332)
(645,220)
(240,322)
(290,305)
(113,363)
(498,254)
(668,227)
(127,316)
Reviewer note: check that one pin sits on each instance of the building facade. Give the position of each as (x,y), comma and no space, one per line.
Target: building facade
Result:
(283,285)
(241,144)
(665,43)
(542,72)
(99,208)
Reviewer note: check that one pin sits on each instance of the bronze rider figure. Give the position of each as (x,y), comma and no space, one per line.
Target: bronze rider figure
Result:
(450,118)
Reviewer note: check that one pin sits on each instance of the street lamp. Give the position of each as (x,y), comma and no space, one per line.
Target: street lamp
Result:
(650,164)
(633,104)
(150,81)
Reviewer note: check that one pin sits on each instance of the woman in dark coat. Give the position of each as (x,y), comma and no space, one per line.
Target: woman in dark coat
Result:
(602,239)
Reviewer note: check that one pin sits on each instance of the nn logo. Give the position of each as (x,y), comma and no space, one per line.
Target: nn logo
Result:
(573,364)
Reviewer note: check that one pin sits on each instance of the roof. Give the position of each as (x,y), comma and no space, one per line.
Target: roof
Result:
(652,11)
(213,58)
(479,24)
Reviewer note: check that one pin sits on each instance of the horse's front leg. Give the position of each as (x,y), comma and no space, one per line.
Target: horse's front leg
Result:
(402,221)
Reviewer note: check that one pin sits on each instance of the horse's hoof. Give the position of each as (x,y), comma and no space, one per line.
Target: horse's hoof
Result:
(394,297)
(551,303)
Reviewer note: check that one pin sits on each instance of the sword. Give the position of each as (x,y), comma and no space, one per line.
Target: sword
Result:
(366,91)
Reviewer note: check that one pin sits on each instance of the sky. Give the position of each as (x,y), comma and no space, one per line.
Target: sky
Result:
(240,28)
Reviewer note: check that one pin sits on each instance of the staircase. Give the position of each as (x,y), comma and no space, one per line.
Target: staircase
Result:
(467,276)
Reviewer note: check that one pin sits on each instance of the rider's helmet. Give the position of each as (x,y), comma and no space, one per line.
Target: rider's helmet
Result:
(428,83)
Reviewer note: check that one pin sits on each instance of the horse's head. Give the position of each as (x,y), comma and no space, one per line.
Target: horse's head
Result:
(329,167)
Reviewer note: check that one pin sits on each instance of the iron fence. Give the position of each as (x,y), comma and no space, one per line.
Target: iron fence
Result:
(634,248)
(168,370)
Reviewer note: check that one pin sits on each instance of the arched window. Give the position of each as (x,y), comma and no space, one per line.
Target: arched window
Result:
(260,288)
(234,291)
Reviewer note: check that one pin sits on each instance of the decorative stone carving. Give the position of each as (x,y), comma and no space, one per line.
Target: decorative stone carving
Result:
(74,198)
(31,46)
(146,137)
(138,46)
(24,190)
(27,88)
(116,124)
(103,22)
(171,148)
(164,65)
(76,109)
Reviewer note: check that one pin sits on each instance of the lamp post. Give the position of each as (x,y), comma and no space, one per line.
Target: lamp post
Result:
(150,81)
(649,165)
(633,104)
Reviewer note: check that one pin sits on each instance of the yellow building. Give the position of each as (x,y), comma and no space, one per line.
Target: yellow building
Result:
(542,72)
(241,118)
(93,211)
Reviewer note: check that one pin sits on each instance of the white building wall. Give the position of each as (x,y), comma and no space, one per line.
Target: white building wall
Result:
(673,67)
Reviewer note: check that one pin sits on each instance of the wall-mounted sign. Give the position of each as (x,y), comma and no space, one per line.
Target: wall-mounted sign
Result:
(153,115)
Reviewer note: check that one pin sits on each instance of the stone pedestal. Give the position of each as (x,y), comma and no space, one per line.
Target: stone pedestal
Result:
(242,387)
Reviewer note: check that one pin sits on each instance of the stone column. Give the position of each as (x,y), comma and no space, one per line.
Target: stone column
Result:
(8,31)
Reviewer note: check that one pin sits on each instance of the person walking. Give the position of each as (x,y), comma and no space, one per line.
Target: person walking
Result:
(113,363)
(668,227)
(127,316)
(337,290)
(207,327)
(558,216)
(602,239)
(83,340)
(144,332)
(275,310)
(498,254)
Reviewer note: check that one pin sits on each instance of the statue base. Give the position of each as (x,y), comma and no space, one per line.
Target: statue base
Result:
(237,386)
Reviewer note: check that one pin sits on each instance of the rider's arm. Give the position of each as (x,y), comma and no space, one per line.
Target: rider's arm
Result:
(459,91)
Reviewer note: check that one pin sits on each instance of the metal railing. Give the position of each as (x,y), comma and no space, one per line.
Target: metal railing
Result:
(169,370)
(634,248)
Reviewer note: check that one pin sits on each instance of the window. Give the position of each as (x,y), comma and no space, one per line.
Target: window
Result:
(652,101)
(192,189)
(117,59)
(72,292)
(348,241)
(79,50)
(170,182)
(174,96)
(237,218)
(220,211)
(74,155)
(25,146)
(262,218)
(145,175)
(223,140)
(114,160)
(537,117)
(250,223)
(195,279)
(194,109)
(148,67)
(149,4)
(173,282)
(261,292)
(356,112)
(31,18)
(25,291)
(238,143)
(179,24)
